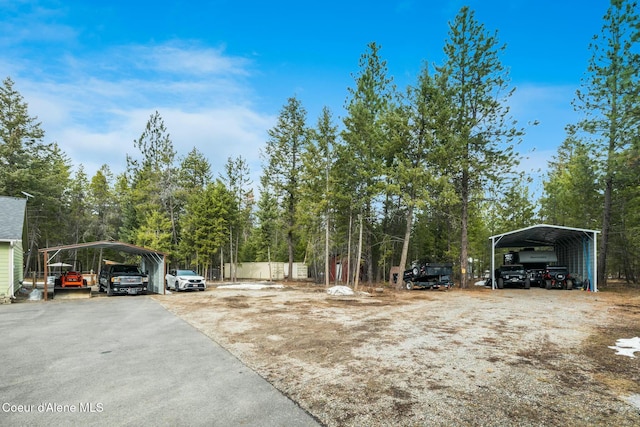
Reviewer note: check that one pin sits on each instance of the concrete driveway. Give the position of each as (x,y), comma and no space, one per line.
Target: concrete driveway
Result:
(125,361)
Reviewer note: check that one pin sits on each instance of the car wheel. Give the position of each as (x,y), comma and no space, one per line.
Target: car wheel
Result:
(527,284)
(176,286)
(569,285)
(409,285)
(500,283)
(109,291)
(548,284)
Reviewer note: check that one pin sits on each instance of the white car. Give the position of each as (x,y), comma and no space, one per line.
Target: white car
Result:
(184,280)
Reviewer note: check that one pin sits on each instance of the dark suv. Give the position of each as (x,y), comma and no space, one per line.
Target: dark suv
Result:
(557,277)
(512,274)
(122,279)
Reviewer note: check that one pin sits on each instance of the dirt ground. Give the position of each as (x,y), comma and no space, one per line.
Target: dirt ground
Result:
(459,357)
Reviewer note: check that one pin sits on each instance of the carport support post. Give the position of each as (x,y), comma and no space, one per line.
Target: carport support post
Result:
(594,282)
(493,263)
(46,274)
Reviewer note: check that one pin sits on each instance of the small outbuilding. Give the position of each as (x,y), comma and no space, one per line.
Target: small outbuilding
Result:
(575,248)
(12,217)
(152,262)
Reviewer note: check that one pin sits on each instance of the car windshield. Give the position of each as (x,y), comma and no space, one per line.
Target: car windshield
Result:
(125,269)
(186,273)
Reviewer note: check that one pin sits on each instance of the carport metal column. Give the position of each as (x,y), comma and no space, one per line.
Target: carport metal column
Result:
(594,283)
(46,274)
(493,261)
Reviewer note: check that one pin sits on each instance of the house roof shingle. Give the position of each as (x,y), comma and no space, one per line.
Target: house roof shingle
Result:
(12,211)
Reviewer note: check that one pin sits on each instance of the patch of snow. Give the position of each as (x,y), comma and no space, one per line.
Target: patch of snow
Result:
(251,286)
(627,346)
(340,290)
(634,400)
(480,283)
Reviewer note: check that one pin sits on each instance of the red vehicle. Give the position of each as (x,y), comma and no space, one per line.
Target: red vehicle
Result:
(557,277)
(72,279)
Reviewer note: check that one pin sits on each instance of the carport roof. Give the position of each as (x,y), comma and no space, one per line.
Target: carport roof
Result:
(106,244)
(539,235)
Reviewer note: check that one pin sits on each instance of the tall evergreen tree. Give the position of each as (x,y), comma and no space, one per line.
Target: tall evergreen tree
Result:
(207,221)
(317,184)
(153,181)
(362,158)
(105,207)
(238,182)
(20,141)
(609,102)
(413,129)
(478,149)
(194,177)
(78,215)
(28,165)
(283,161)
(268,223)
(571,189)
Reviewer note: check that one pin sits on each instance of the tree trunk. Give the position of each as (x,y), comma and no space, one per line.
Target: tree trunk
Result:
(326,253)
(357,272)
(405,246)
(349,251)
(606,225)
(269,263)
(464,238)
(221,264)
(369,249)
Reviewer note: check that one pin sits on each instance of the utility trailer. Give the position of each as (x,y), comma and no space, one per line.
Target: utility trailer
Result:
(428,275)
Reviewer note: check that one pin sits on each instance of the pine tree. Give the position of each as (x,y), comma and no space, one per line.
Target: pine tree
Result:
(238,182)
(283,161)
(413,129)
(28,165)
(362,158)
(153,182)
(478,148)
(609,101)
(317,186)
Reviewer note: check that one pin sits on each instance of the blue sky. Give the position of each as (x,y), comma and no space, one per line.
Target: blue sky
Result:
(220,71)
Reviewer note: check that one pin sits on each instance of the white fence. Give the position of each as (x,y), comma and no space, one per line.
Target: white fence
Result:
(267,270)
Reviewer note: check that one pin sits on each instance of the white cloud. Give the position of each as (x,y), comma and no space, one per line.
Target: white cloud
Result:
(27,21)
(217,133)
(180,59)
(101,104)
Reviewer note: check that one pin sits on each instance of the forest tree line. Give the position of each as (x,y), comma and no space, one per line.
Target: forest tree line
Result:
(429,171)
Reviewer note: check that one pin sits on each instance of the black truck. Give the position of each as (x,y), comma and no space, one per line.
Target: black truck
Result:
(428,275)
(122,279)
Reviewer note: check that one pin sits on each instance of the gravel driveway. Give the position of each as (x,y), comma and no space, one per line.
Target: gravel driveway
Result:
(462,357)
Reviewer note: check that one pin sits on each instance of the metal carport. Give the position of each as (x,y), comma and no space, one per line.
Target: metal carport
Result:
(152,261)
(575,247)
